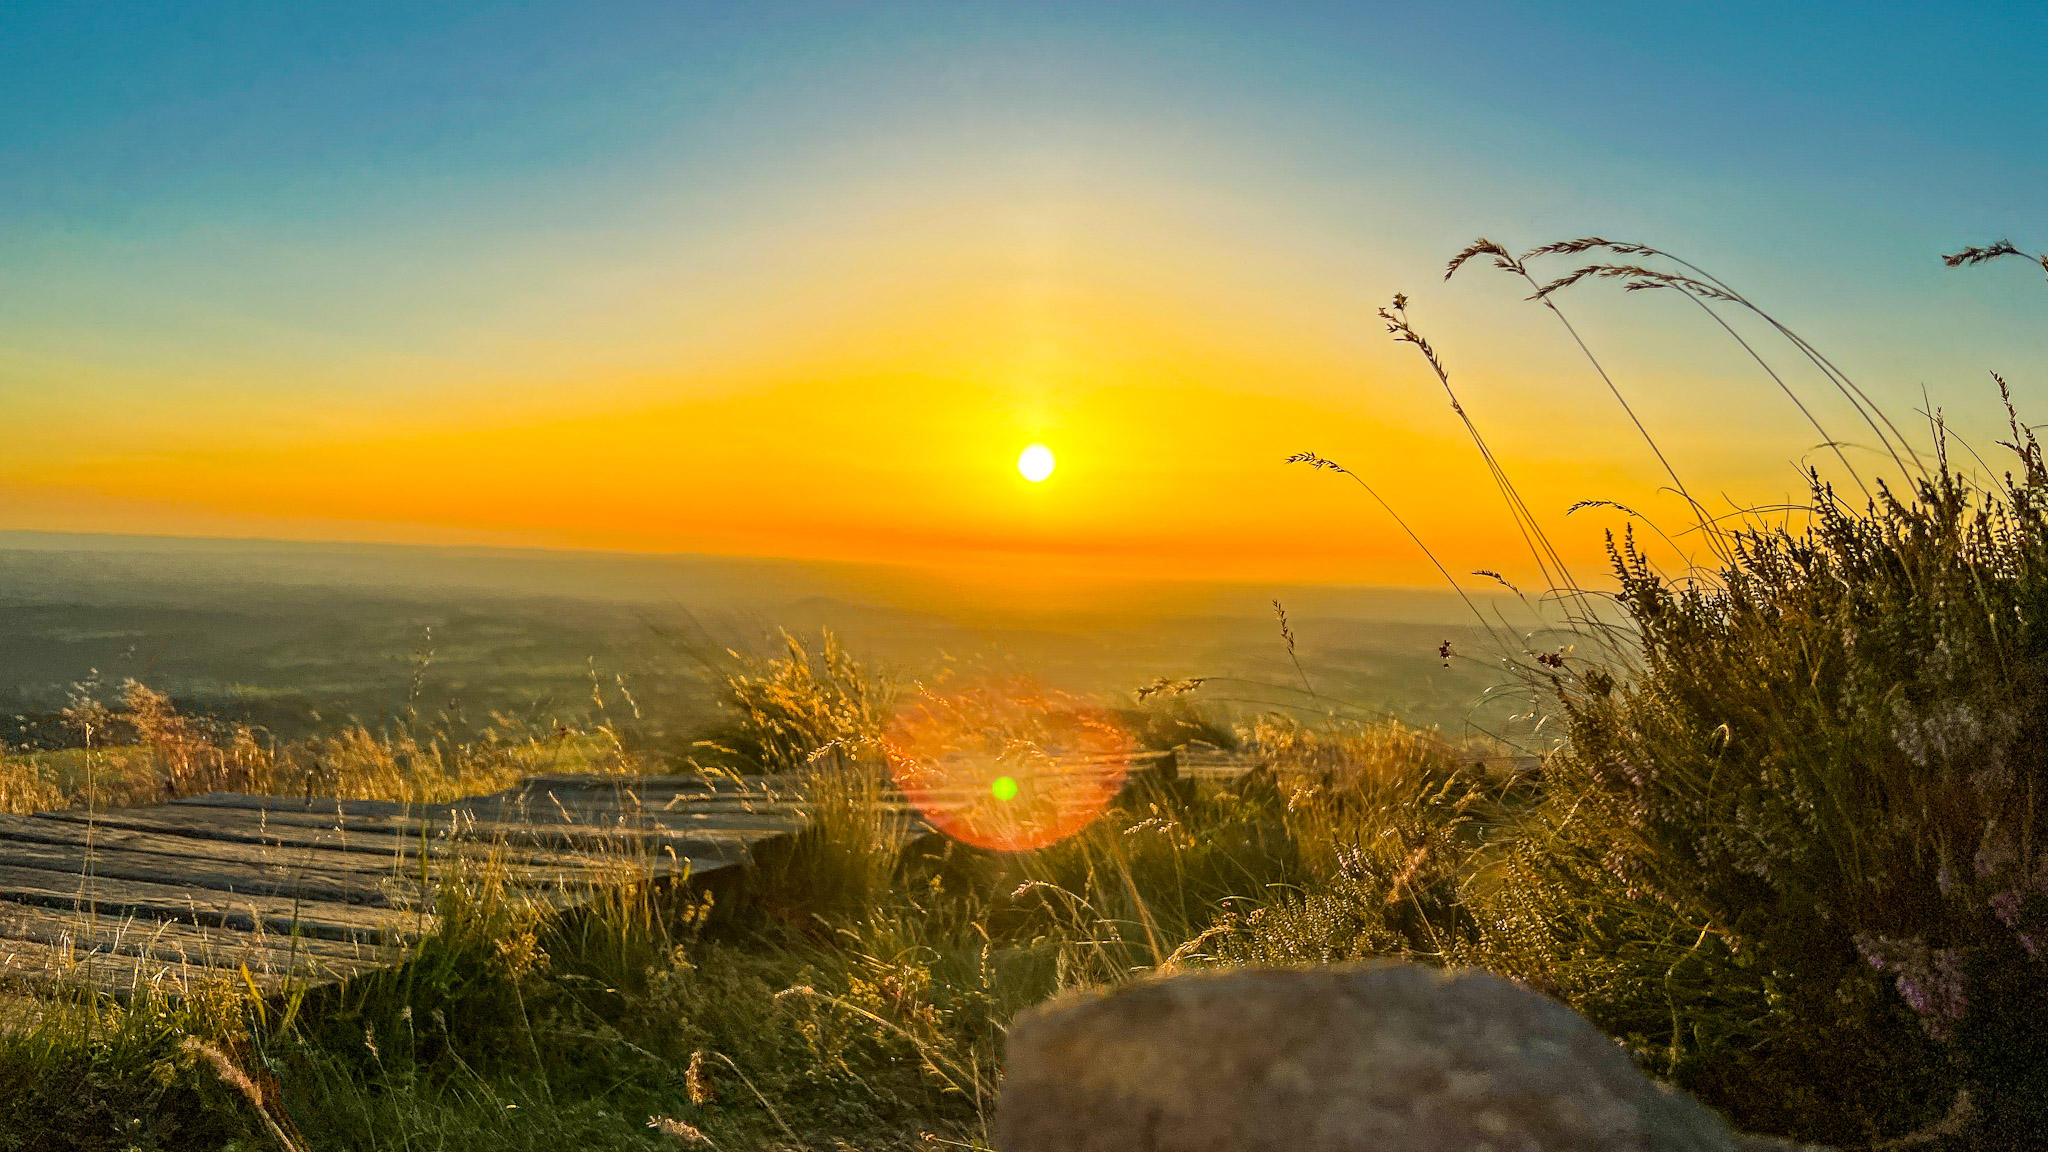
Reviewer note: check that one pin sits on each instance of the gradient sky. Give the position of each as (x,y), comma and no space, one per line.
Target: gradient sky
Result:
(801,279)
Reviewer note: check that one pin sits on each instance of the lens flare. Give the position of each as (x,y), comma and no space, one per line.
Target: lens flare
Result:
(1006,763)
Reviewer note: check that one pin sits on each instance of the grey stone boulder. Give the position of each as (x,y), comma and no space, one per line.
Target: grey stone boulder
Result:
(1382,1057)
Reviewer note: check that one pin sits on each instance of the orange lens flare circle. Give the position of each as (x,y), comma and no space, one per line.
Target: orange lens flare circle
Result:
(1006,763)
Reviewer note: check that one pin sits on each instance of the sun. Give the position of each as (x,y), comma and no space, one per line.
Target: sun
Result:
(1035,463)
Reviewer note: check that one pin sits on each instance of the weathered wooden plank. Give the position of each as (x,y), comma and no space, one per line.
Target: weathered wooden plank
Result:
(367,869)
(569,842)
(597,810)
(708,838)
(579,805)
(564,882)
(538,801)
(369,845)
(783,800)
(644,791)
(369,865)
(723,804)
(603,817)
(247,911)
(175,942)
(402,843)
(754,805)
(667,783)
(323,805)
(601,833)
(297,889)
(109,862)
(241,826)
(44,965)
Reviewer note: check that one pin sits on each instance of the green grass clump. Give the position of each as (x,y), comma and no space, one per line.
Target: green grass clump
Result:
(80,1072)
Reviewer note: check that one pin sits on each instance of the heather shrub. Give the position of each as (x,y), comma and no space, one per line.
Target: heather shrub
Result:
(1786,849)
(1792,860)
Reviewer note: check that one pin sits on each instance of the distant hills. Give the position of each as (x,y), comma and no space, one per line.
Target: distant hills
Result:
(295,636)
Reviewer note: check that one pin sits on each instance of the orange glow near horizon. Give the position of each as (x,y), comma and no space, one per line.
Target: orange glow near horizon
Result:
(1147,488)
(828,419)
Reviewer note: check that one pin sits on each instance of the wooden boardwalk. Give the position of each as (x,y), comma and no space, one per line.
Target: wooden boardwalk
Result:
(276,891)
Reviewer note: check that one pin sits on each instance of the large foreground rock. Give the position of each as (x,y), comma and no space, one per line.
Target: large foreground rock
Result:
(1382,1057)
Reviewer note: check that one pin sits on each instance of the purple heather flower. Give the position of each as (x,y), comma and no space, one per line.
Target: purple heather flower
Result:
(1993,855)
(1951,994)
(1915,996)
(1929,980)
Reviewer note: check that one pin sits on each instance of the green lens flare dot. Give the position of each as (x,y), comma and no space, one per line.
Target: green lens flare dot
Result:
(1003,788)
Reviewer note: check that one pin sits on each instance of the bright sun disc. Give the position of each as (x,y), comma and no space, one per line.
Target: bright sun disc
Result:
(1035,462)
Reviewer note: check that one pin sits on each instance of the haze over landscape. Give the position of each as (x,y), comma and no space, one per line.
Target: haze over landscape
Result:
(296,637)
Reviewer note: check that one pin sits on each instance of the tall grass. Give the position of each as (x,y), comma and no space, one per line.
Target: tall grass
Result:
(852,992)
(137,748)
(1787,849)
(1819,799)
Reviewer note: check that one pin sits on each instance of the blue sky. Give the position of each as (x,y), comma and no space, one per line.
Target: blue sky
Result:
(123,100)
